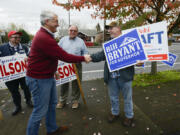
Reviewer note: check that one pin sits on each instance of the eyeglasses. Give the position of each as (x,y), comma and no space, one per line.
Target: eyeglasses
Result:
(73,30)
(15,37)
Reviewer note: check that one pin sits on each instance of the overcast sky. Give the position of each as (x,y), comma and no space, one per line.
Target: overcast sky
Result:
(27,12)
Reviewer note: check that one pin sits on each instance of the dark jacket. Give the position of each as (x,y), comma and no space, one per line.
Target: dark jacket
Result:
(126,74)
(7,50)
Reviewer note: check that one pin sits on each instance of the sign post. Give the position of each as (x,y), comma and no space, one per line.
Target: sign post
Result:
(1,115)
(79,84)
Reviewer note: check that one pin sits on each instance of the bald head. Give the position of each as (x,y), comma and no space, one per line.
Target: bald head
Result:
(73,31)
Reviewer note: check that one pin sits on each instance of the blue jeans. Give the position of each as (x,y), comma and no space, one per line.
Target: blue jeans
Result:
(44,96)
(115,85)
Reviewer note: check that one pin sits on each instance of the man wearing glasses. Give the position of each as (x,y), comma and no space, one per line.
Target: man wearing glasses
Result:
(73,45)
(8,49)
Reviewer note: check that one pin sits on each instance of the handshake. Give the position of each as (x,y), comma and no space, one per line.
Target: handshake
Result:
(87,58)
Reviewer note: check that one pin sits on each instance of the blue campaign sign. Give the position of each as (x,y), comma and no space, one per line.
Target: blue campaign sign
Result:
(172,60)
(124,51)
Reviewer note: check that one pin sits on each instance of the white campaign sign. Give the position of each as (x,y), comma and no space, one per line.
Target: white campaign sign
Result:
(154,39)
(14,67)
(66,71)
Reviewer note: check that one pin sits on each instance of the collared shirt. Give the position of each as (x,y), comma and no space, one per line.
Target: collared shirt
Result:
(16,49)
(74,46)
(48,30)
(115,74)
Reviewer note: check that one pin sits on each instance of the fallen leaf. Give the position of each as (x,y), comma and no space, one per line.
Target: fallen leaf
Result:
(159,86)
(64,113)
(2,101)
(98,100)
(99,133)
(161,132)
(126,133)
(84,117)
(86,125)
(99,121)
(174,94)
(178,101)
(93,89)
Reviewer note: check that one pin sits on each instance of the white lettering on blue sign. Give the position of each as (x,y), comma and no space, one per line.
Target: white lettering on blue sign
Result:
(124,51)
(172,60)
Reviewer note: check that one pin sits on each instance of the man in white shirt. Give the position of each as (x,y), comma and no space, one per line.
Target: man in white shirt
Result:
(73,45)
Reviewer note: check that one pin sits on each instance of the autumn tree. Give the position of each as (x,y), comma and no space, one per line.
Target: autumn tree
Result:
(25,36)
(132,12)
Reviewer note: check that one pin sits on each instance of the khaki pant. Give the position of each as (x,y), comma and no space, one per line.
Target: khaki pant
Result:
(64,90)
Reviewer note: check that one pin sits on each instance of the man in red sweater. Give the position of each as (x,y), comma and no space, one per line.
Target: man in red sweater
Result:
(42,65)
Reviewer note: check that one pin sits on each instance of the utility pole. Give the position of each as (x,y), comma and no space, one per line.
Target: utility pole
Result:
(104,32)
(69,14)
(69,17)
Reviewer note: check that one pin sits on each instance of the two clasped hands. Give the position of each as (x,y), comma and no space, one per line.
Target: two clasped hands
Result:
(87,58)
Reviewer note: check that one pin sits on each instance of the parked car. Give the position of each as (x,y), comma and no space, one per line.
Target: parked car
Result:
(172,39)
(88,43)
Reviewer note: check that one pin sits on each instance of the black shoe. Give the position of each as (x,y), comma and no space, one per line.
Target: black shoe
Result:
(112,118)
(29,104)
(129,122)
(16,111)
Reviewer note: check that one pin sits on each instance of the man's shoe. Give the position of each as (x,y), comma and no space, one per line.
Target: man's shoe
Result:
(60,105)
(75,105)
(112,118)
(16,111)
(128,122)
(29,104)
(59,131)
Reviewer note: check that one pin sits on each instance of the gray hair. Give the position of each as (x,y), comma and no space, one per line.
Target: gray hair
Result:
(46,15)
(73,25)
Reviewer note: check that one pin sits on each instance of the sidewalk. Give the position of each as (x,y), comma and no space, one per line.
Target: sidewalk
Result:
(156,112)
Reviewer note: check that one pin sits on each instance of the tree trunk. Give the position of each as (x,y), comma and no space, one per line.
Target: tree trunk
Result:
(153,68)
(104,32)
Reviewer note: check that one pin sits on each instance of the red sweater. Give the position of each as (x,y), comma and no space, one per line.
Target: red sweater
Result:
(44,56)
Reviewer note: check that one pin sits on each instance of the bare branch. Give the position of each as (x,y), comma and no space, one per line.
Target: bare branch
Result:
(149,5)
(140,12)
